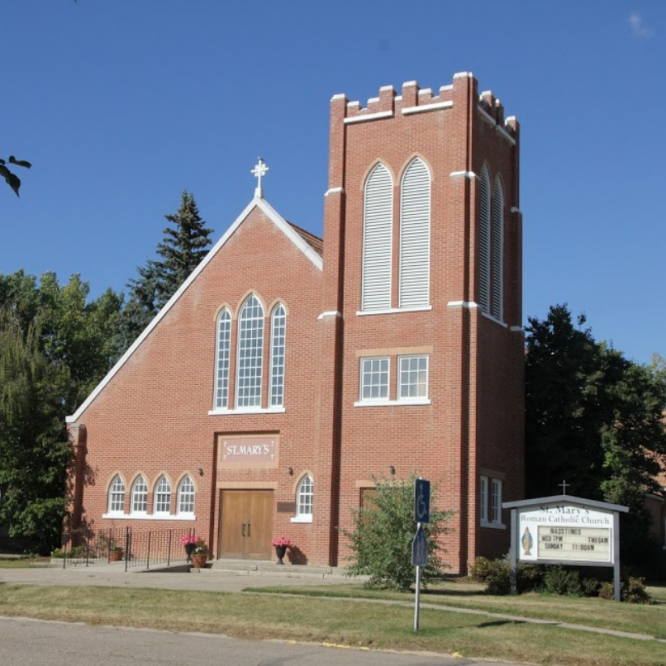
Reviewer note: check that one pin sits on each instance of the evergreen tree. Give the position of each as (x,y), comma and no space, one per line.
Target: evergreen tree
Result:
(594,418)
(183,247)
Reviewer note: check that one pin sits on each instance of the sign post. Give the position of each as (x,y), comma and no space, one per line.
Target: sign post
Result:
(420,542)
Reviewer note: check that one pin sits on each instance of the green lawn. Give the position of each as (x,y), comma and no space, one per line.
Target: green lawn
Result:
(343,622)
(633,618)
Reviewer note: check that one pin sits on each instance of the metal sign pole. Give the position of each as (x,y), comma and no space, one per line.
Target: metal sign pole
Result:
(417,597)
(417,600)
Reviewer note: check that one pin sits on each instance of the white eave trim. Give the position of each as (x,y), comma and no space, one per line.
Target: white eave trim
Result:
(427,107)
(368,116)
(274,216)
(470,305)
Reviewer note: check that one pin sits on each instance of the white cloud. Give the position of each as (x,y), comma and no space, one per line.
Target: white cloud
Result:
(638,27)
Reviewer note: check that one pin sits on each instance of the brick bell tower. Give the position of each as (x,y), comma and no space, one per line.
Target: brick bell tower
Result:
(421,365)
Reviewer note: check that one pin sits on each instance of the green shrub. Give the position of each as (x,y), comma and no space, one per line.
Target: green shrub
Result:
(607,591)
(632,589)
(634,592)
(381,538)
(559,580)
(530,577)
(498,580)
(590,587)
(481,569)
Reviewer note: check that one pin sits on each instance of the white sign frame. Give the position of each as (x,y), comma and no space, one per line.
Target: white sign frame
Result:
(554,530)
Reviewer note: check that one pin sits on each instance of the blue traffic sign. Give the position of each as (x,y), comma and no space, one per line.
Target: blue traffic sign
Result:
(422,501)
(420,548)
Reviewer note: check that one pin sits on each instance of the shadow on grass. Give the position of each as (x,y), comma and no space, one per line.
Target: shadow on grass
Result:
(499,623)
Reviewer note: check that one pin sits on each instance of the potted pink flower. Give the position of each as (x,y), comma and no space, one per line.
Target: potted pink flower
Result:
(280,544)
(190,542)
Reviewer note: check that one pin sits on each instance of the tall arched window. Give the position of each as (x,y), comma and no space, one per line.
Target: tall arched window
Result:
(377,240)
(163,496)
(498,250)
(278,333)
(186,496)
(139,496)
(484,241)
(222,367)
(250,353)
(117,496)
(304,498)
(415,236)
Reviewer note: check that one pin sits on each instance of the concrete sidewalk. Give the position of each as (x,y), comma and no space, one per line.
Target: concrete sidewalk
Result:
(222,576)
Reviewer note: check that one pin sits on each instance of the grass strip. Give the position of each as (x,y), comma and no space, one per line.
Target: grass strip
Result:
(599,613)
(350,623)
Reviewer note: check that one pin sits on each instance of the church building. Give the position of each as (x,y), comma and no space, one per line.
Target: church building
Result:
(288,371)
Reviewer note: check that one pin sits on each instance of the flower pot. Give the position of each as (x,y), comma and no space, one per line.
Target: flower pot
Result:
(115,555)
(280,551)
(199,560)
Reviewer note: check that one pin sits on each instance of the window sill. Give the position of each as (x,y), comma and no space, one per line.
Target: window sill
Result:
(249,410)
(493,526)
(301,519)
(392,403)
(421,308)
(147,516)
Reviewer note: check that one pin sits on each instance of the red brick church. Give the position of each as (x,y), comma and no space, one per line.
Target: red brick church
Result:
(288,371)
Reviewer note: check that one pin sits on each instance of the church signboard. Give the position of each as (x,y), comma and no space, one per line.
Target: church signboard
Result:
(565,530)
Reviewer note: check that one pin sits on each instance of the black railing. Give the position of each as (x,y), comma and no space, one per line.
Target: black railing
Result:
(134,548)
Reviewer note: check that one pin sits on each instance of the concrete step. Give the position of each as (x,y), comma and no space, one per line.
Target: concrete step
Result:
(267,567)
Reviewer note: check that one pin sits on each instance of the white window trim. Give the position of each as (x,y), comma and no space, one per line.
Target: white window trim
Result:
(247,410)
(149,516)
(393,403)
(117,512)
(493,524)
(260,357)
(420,308)
(307,518)
(156,511)
(412,399)
(374,401)
(132,511)
(483,500)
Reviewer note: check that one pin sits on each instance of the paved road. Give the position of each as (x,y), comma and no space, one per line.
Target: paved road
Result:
(25,642)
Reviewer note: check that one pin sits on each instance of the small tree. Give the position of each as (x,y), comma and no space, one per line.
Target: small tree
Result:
(381,539)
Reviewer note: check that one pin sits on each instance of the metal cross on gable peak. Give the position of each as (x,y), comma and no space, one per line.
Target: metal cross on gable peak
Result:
(564,485)
(258,172)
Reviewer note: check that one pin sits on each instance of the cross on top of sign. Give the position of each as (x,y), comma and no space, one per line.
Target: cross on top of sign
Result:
(564,486)
(259,170)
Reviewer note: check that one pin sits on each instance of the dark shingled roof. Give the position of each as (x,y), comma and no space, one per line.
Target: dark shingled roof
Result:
(316,243)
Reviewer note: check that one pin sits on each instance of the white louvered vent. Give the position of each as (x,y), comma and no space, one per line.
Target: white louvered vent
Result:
(484,242)
(415,236)
(498,250)
(377,232)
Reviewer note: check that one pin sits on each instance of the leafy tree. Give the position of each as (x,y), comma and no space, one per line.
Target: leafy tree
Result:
(594,418)
(55,346)
(382,535)
(34,451)
(10,177)
(183,247)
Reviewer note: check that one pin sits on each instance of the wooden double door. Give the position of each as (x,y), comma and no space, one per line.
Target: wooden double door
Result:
(246,524)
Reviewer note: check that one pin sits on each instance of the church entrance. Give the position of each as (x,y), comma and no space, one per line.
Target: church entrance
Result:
(246,524)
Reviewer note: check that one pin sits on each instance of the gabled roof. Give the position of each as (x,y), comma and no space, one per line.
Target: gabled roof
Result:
(315,242)
(308,243)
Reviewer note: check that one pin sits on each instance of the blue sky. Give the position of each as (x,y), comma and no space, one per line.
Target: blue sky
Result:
(122,104)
